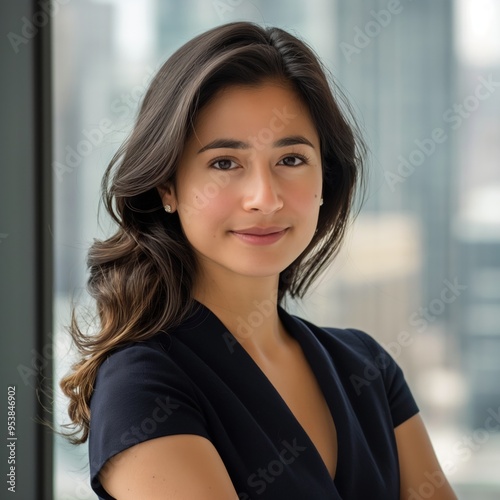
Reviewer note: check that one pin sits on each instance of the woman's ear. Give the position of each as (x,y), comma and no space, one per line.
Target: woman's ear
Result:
(168,198)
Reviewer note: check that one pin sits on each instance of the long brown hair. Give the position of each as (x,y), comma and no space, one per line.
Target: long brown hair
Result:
(141,277)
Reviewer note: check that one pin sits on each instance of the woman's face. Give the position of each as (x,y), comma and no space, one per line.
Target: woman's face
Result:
(249,182)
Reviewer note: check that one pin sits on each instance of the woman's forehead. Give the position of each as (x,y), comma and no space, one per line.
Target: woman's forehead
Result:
(254,114)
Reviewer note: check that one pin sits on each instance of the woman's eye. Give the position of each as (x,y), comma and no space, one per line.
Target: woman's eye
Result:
(293,161)
(223,164)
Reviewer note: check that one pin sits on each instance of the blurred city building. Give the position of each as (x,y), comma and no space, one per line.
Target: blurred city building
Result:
(420,269)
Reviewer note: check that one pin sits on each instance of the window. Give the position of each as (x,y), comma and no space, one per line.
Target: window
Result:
(416,270)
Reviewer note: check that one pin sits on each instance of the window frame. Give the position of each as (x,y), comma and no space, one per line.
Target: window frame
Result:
(26,227)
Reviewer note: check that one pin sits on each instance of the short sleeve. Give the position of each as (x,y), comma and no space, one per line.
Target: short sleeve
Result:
(400,399)
(139,394)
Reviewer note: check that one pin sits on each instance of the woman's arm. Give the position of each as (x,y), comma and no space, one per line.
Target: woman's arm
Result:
(421,474)
(180,467)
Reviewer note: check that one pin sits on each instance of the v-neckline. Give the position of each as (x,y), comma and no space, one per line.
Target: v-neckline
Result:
(292,328)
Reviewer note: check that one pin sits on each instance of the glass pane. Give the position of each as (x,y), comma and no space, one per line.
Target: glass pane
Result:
(420,267)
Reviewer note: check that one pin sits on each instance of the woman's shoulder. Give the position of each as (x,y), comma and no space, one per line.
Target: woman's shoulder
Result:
(367,367)
(358,356)
(350,342)
(147,365)
(140,393)
(149,349)
(132,358)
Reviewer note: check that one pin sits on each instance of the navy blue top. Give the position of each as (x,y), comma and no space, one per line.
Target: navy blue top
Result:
(198,379)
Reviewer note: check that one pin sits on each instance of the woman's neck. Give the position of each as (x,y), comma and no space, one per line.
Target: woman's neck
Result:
(248,308)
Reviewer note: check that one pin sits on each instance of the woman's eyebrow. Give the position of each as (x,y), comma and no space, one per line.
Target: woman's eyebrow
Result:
(225,143)
(292,141)
(235,144)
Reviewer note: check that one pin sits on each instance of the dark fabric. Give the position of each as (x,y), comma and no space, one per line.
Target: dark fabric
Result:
(198,379)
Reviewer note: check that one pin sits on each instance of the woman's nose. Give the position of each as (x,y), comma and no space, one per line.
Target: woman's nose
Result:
(261,191)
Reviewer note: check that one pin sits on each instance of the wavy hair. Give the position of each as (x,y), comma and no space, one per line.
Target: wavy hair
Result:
(141,277)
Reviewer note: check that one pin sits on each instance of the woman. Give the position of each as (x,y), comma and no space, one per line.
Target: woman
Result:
(234,190)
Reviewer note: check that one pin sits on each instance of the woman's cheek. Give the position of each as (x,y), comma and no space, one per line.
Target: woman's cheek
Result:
(206,205)
(305,197)
(221,203)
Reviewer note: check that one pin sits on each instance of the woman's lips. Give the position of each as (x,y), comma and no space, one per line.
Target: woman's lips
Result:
(260,236)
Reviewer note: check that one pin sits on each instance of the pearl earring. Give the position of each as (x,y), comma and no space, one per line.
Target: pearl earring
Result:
(168,208)
(321,202)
